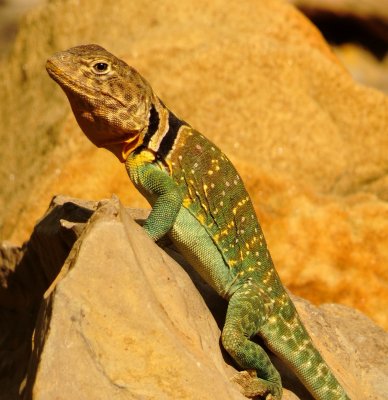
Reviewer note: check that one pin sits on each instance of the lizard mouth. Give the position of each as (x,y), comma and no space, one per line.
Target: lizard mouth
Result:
(57,74)
(52,70)
(64,80)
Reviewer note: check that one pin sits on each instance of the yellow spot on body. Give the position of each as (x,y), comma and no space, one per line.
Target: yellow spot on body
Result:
(210,172)
(186,202)
(272,319)
(232,262)
(201,219)
(217,167)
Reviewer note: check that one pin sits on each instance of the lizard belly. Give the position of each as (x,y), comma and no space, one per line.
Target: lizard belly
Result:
(197,246)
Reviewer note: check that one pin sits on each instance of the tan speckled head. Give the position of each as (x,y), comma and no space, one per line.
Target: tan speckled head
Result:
(110,99)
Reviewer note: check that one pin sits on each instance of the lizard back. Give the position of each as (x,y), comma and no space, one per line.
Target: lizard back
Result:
(215,195)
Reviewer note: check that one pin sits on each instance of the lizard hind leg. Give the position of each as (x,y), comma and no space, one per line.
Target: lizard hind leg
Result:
(246,313)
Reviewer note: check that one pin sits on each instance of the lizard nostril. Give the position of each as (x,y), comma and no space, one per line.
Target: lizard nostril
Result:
(64,57)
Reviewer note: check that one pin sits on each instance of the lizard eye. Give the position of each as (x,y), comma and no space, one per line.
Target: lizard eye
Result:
(101,68)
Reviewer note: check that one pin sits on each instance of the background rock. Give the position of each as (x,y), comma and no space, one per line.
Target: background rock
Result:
(259,80)
(123,320)
(11,11)
(358,33)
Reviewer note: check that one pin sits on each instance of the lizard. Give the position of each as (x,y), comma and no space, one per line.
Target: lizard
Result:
(199,200)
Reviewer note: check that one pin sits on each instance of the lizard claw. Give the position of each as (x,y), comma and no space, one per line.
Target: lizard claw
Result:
(251,386)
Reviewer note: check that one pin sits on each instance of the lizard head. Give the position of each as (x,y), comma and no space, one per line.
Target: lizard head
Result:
(110,99)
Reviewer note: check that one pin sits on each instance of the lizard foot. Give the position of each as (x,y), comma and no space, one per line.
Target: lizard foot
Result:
(253,387)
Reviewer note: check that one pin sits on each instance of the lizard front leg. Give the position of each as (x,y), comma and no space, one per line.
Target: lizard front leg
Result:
(160,190)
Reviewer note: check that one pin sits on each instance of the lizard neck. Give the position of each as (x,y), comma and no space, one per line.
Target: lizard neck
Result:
(157,124)
(163,129)
(150,136)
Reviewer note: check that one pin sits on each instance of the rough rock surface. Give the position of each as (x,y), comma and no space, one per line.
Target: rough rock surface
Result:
(121,319)
(255,77)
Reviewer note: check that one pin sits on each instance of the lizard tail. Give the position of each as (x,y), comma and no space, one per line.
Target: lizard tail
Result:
(293,345)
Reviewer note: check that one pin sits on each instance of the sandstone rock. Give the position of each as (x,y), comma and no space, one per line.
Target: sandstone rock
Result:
(358,33)
(259,80)
(123,320)
(25,274)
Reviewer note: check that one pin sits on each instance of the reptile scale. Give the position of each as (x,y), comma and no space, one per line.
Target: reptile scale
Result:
(200,201)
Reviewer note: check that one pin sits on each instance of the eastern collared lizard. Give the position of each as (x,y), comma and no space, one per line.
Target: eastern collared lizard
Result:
(200,201)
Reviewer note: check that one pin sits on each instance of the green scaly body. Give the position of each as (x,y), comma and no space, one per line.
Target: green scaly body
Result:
(200,201)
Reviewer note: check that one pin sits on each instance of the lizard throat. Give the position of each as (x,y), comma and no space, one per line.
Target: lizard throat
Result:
(124,148)
(129,146)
